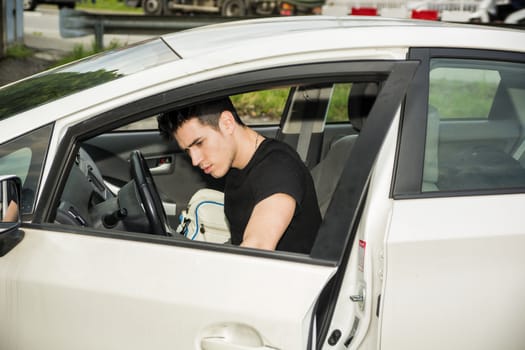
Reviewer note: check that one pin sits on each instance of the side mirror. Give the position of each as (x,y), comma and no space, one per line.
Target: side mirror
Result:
(10,235)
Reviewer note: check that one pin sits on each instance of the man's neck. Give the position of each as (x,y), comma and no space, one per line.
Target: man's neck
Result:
(248,141)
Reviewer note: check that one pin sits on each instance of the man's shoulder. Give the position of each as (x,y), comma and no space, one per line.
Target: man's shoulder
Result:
(273,147)
(277,155)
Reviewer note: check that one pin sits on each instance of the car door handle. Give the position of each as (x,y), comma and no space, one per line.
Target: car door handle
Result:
(233,336)
(219,343)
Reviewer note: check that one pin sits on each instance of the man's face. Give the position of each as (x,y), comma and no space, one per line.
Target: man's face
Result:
(209,149)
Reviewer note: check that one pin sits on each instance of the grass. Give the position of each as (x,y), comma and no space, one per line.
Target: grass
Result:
(107,5)
(261,106)
(19,51)
(266,106)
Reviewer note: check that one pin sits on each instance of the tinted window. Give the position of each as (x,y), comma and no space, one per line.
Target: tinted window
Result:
(475,138)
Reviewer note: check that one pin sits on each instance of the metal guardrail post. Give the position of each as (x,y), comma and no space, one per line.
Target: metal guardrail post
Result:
(99,35)
(2,29)
(11,24)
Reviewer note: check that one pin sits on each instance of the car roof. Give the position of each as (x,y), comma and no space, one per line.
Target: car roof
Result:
(337,32)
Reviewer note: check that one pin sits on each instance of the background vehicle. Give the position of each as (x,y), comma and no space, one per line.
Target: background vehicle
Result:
(414,132)
(300,7)
(30,5)
(227,8)
(484,11)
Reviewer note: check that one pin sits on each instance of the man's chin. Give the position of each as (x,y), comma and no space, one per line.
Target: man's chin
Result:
(217,174)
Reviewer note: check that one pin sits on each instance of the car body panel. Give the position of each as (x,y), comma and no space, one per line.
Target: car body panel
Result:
(52,302)
(451,261)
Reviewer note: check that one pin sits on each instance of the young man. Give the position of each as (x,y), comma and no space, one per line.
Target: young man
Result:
(270,200)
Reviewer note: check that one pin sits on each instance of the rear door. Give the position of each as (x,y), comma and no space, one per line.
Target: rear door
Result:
(70,287)
(456,242)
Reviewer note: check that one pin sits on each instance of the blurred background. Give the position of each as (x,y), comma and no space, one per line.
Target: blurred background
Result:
(39,34)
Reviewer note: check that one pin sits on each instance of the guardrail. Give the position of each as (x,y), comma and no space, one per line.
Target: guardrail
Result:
(75,24)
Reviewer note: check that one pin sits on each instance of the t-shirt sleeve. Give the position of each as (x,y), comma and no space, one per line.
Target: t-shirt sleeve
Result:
(278,172)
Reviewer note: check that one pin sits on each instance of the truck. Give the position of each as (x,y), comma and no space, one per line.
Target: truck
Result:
(226,8)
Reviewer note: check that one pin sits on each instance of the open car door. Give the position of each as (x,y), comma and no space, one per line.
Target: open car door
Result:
(66,287)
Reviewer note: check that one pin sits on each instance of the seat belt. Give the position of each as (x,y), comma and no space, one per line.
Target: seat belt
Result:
(305,136)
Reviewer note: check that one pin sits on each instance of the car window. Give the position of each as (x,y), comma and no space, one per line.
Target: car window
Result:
(100,190)
(475,138)
(338,106)
(261,107)
(26,162)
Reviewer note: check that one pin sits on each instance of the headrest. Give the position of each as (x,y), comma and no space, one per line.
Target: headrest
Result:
(360,101)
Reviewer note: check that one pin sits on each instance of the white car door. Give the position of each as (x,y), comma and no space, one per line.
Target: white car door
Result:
(70,290)
(66,287)
(455,247)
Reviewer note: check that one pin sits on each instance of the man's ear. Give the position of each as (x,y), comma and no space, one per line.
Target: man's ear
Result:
(227,122)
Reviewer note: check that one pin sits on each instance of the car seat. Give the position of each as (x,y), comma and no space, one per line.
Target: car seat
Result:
(327,172)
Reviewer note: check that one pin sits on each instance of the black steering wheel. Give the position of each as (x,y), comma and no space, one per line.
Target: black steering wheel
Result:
(148,193)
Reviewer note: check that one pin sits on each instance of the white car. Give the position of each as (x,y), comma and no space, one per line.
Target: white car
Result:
(415,135)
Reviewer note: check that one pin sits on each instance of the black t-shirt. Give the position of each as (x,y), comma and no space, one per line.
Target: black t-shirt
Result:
(274,168)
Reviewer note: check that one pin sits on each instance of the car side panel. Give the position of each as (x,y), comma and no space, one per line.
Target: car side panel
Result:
(71,291)
(454,271)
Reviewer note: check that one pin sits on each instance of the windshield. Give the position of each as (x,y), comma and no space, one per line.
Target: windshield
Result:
(81,75)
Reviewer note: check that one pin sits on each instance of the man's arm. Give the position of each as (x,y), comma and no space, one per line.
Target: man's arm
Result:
(269,220)
(11,214)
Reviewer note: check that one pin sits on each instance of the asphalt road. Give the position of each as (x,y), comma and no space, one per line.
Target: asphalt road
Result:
(41,31)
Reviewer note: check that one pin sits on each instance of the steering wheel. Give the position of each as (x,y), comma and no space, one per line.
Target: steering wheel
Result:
(148,193)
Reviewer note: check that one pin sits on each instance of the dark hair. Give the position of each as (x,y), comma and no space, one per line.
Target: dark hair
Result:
(208,113)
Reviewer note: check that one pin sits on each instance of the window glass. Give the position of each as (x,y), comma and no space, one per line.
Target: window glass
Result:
(475,136)
(463,93)
(24,157)
(338,106)
(17,163)
(263,107)
(144,124)
(352,102)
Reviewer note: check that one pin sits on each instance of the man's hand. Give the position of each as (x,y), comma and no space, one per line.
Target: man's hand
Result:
(269,220)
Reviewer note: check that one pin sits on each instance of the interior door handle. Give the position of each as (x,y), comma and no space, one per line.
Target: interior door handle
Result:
(233,336)
(161,169)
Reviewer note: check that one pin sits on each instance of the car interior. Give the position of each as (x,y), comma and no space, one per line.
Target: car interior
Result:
(114,186)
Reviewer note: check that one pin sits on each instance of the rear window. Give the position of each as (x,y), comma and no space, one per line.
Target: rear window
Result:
(81,75)
(475,126)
